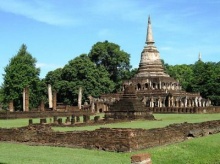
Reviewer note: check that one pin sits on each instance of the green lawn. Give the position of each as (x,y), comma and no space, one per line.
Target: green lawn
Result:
(195,151)
(204,150)
(162,120)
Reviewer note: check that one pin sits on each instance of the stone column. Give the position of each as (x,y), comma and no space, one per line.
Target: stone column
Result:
(11,106)
(185,103)
(193,103)
(169,101)
(50,99)
(91,102)
(42,105)
(199,102)
(159,102)
(172,102)
(26,99)
(80,98)
(152,102)
(150,84)
(54,99)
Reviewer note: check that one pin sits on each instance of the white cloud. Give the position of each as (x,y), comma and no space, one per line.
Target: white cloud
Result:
(48,66)
(37,10)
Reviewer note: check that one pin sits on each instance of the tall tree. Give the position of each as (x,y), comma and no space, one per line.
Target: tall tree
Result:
(207,80)
(115,60)
(80,72)
(55,80)
(183,73)
(21,72)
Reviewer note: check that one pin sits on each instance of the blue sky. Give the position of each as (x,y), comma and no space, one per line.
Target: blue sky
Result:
(57,31)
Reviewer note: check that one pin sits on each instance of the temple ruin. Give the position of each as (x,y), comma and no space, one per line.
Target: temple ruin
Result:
(154,86)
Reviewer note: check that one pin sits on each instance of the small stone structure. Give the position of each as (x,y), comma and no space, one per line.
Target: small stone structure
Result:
(141,159)
(119,140)
(128,107)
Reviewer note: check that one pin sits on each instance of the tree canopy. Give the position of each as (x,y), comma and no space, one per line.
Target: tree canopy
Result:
(202,77)
(80,72)
(115,60)
(21,72)
(101,71)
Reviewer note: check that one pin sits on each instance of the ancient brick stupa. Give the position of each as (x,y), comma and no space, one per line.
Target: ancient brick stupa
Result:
(128,107)
(157,87)
(154,85)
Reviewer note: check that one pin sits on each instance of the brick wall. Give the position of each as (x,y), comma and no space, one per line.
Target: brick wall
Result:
(120,140)
(39,114)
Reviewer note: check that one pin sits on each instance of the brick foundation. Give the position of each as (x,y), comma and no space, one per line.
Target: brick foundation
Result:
(120,140)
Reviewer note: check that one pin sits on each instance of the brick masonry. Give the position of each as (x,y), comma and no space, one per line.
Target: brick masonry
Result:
(39,114)
(116,139)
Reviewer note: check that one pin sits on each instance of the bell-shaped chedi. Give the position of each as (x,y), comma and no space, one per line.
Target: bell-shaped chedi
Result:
(150,64)
(154,86)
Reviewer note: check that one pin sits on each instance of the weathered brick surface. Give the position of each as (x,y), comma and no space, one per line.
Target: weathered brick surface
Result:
(210,109)
(120,140)
(40,114)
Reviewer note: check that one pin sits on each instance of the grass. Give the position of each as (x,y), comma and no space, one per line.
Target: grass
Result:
(204,150)
(195,151)
(162,120)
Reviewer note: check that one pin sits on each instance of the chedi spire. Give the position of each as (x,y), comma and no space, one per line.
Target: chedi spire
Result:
(149,39)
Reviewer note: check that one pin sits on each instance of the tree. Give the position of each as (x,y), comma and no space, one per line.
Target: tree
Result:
(115,61)
(80,72)
(21,72)
(207,80)
(55,80)
(183,73)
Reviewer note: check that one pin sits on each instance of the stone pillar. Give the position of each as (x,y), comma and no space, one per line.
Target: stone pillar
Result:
(141,159)
(30,122)
(185,103)
(200,104)
(169,101)
(193,103)
(43,121)
(77,119)
(26,99)
(55,120)
(73,120)
(159,102)
(80,98)
(196,102)
(160,86)
(172,102)
(152,102)
(96,118)
(92,103)
(67,119)
(50,99)
(60,121)
(54,99)
(11,106)
(42,105)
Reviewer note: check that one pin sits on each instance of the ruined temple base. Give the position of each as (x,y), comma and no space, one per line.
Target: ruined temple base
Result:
(110,139)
